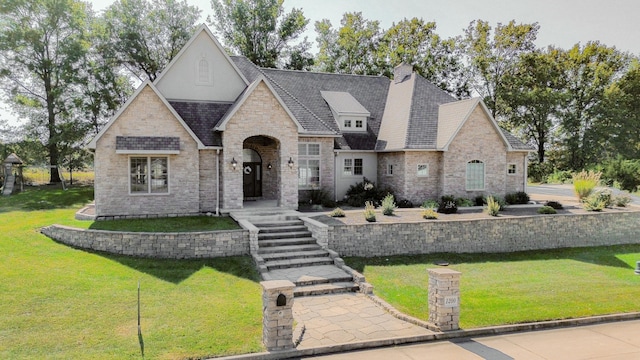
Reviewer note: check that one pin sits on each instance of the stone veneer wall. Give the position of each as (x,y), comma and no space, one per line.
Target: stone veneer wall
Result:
(486,235)
(421,188)
(208,178)
(190,245)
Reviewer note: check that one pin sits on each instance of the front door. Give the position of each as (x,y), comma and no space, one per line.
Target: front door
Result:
(252,179)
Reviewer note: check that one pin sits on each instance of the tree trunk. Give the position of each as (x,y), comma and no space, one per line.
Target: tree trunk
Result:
(52,145)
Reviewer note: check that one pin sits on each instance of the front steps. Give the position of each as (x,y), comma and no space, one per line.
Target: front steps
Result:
(288,251)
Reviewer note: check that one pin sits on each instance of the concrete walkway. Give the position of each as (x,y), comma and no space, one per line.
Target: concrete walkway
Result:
(345,318)
(616,340)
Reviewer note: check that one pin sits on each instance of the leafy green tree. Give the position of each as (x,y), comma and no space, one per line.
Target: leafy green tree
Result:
(261,30)
(42,46)
(351,49)
(492,55)
(589,71)
(414,41)
(144,36)
(533,94)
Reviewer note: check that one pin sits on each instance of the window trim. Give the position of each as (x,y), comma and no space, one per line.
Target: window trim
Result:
(198,71)
(418,170)
(304,158)
(515,169)
(346,123)
(484,175)
(148,192)
(352,167)
(389,170)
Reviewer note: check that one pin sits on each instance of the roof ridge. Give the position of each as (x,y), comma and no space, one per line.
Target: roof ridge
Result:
(325,73)
(296,100)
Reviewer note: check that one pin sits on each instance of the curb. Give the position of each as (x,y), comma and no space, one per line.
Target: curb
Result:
(487,331)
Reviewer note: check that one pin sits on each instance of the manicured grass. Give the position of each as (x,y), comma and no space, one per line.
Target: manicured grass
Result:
(62,303)
(514,288)
(179,224)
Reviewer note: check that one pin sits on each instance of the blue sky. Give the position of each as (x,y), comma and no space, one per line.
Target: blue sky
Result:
(562,22)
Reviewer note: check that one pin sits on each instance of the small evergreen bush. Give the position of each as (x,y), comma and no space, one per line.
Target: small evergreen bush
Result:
(605,196)
(388,205)
(369,212)
(584,182)
(594,203)
(337,212)
(464,202)
(547,210)
(516,198)
(493,206)
(429,214)
(430,204)
(447,205)
(364,191)
(621,200)
(404,204)
(554,204)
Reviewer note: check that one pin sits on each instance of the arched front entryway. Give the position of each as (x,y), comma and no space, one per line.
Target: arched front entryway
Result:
(260,168)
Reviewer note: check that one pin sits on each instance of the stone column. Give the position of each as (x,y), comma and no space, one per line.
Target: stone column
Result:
(277,314)
(444,298)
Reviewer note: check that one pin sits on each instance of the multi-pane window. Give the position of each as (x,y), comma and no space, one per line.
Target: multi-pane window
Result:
(308,165)
(149,175)
(475,175)
(389,171)
(347,123)
(359,124)
(352,167)
(423,170)
(511,169)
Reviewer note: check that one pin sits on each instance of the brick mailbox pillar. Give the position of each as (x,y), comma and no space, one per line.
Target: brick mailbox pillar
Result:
(444,298)
(277,314)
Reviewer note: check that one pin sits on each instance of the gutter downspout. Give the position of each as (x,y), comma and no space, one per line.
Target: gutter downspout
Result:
(217,182)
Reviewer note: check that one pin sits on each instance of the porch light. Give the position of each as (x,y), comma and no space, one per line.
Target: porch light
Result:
(290,162)
(269,166)
(234,163)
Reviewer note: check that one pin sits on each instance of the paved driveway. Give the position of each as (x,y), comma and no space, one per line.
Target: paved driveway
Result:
(567,191)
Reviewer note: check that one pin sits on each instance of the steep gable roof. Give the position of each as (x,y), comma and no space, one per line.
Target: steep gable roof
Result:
(202,118)
(92,144)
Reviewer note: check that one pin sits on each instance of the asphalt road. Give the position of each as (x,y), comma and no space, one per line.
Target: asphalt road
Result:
(567,190)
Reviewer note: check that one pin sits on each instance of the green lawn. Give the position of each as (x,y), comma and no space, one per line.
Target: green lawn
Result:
(62,303)
(514,288)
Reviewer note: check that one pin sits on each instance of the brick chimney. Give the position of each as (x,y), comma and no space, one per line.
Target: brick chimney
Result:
(402,72)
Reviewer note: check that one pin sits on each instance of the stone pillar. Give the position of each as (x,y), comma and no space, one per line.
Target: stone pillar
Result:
(444,298)
(277,314)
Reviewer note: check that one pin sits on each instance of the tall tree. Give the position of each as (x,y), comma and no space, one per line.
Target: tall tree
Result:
(260,30)
(42,46)
(533,94)
(415,42)
(589,71)
(144,35)
(351,49)
(492,55)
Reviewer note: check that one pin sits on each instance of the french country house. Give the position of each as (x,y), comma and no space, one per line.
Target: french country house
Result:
(215,131)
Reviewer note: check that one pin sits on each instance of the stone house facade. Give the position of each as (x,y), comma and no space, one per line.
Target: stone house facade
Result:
(215,131)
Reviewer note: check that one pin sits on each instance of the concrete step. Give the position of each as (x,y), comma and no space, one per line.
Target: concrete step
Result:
(286,248)
(324,289)
(287,264)
(307,281)
(282,229)
(286,242)
(289,255)
(283,235)
(278,223)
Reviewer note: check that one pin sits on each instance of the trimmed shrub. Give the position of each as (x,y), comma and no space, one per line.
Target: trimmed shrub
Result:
(464,202)
(337,212)
(516,198)
(554,204)
(369,212)
(447,205)
(388,205)
(547,210)
(605,196)
(430,204)
(584,182)
(493,206)
(429,214)
(404,204)
(621,200)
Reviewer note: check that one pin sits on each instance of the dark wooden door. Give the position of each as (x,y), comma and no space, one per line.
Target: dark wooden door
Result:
(252,179)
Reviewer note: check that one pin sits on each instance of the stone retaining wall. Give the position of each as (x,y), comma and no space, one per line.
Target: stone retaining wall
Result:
(188,245)
(486,235)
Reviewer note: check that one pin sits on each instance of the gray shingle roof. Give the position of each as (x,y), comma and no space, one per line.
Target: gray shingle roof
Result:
(515,143)
(423,121)
(202,117)
(169,143)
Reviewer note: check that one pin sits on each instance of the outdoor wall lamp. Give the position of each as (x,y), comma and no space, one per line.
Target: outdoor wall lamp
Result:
(290,162)
(269,166)
(234,163)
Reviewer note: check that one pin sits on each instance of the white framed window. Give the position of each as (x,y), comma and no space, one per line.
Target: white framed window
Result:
(475,175)
(423,170)
(149,175)
(352,167)
(203,71)
(512,169)
(347,123)
(359,124)
(389,171)
(308,165)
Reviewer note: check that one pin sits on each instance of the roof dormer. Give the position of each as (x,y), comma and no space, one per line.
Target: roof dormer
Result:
(347,111)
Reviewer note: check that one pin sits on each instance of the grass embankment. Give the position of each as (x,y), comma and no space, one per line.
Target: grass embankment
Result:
(513,288)
(62,303)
